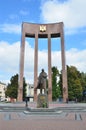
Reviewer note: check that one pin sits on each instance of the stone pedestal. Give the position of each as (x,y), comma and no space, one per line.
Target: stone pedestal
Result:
(42,101)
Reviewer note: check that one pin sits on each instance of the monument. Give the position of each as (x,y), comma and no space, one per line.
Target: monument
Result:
(42,81)
(43,31)
(42,99)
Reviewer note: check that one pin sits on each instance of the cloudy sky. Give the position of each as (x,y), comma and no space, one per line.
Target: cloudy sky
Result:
(14,12)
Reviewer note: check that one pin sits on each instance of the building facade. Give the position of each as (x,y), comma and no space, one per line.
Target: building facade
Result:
(2,91)
(30,92)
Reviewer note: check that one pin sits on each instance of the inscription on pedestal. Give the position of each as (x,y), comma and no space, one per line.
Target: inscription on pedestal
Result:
(42,101)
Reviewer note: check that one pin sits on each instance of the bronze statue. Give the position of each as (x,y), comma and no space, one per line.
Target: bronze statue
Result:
(42,81)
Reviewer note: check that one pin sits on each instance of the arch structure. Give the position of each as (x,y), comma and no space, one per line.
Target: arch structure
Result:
(42,31)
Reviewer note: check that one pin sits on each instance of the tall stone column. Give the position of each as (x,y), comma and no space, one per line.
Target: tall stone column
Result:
(64,71)
(49,70)
(22,51)
(35,67)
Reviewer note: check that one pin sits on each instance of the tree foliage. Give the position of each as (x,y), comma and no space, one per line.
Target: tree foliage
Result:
(24,89)
(74,82)
(12,88)
(83,81)
(55,86)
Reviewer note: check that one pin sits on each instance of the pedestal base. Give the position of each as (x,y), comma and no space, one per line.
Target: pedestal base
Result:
(42,101)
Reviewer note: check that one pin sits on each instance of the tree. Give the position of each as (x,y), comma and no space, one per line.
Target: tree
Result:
(24,89)
(55,87)
(12,88)
(83,83)
(60,84)
(74,83)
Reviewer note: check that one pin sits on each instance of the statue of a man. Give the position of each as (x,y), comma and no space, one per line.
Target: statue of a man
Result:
(42,81)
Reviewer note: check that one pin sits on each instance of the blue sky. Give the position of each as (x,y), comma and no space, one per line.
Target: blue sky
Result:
(13,13)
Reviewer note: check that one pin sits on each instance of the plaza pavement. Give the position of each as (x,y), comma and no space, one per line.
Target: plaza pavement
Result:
(62,121)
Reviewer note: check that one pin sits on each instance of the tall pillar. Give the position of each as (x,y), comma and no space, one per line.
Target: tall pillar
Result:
(49,70)
(64,71)
(35,67)
(22,51)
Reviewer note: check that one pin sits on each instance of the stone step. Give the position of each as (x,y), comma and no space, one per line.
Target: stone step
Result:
(42,113)
(12,109)
(43,110)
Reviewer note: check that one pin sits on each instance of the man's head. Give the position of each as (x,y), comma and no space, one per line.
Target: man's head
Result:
(42,70)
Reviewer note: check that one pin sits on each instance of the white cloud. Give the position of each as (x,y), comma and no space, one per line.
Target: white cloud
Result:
(77,58)
(71,12)
(10,28)
(10,57)
(9,60)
